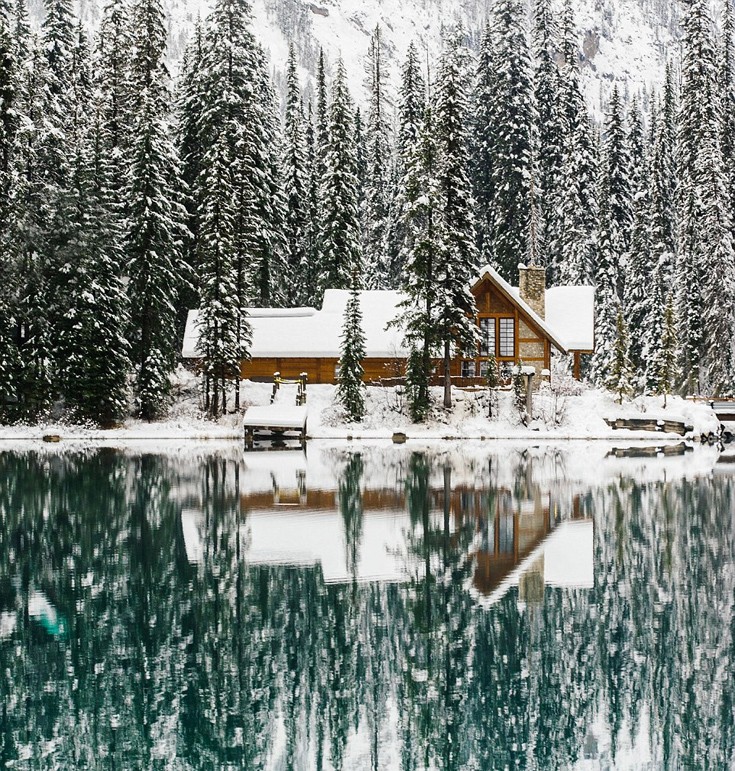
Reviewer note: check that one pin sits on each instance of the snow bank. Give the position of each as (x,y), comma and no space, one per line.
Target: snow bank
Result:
(578,414)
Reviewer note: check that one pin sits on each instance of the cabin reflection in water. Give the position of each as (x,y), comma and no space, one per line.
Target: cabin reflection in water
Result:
(291,512)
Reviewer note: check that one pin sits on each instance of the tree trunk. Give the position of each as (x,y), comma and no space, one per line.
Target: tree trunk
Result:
(447,374)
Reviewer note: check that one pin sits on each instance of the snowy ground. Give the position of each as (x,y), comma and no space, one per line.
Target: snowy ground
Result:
(579,414)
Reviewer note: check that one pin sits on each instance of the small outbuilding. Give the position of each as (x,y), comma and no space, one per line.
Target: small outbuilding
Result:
(516,323)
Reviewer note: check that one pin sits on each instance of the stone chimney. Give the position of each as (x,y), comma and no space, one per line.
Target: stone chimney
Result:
(532,286)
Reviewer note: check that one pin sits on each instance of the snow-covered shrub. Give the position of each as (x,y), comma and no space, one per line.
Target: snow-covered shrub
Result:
(553,398)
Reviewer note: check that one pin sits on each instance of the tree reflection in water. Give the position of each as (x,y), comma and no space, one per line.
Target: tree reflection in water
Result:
(382,608)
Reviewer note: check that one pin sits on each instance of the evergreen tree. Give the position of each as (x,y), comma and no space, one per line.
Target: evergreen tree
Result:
(340,237)
(222,337)
(378,171)
(264,218)
(350,388)
(704,272)
(420,228)
(296,184)
(457,255)
(549,136)
(513,117)
(191,101)
(153,240)
(483,143)
(620,375)
(616,215)
(310,268)
(574,234)
(665,364)
(640,265)
(26,243)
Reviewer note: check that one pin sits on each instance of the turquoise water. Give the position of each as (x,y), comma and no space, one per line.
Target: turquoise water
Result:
(366,607)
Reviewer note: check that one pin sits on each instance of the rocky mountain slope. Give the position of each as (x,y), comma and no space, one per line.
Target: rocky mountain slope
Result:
(624,41)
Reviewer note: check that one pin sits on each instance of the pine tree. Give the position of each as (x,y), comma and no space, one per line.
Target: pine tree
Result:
(704,271)
(296,184)
(616,210)
(310,268)
(153,240)
(457,255)
(482,149)
(665,365)
(26,242)
(350,388)
(378,171)
(223,337)
(411,104)
(574,235)
(340,237)
(91,348)
(640,265)
(549,137)
(513,117)
(420,228)
(263,212)
(620,375)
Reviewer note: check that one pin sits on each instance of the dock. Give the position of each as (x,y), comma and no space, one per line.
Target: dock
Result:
(650,424)
(275,421)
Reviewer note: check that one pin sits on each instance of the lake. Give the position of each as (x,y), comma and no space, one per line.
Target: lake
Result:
(478,605)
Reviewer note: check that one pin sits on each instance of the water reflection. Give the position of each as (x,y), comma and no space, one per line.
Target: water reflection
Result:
(366,607)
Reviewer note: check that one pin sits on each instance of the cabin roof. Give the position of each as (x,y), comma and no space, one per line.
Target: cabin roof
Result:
(311,333)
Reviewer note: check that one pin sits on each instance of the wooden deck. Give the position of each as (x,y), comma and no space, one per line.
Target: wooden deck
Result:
(275,421)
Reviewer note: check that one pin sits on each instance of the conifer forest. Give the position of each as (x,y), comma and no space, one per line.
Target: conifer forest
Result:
(133,189)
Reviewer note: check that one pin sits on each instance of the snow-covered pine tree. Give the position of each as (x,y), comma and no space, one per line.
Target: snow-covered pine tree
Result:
(411,104)
(156,223)
(457,256)
(296,184)
(620,375)
(340,237)
(666,369)
(513,117)
(310,268)
(321,117)
(717,255)
(263,214)
(482,146)
(549,137)
(640,265)
(704,260)
(578,217)
(574,236)
(9,361)
(190,105)
(114,96)
(378,166)
(350,387)
(26,241)
(8,116)
(727,91)
(419,203)
(616,205)
(223,336)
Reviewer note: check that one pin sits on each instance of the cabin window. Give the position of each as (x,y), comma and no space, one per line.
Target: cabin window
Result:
(507,337)
(487,337)
(468,369)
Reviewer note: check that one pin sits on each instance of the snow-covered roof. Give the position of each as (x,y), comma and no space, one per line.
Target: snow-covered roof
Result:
(570,312)
(570,318)
(311,333)
(306,332)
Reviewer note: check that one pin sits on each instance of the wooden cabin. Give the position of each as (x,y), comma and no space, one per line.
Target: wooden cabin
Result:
(524,323)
